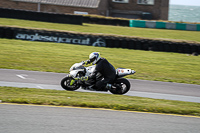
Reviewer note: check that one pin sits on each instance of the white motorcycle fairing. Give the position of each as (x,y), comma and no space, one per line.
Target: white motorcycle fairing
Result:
(78,70)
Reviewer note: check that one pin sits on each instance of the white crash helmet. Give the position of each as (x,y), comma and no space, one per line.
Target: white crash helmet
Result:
(94,57)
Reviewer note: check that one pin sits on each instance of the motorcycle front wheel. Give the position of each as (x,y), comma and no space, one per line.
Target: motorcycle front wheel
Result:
(120,86)
(65,83)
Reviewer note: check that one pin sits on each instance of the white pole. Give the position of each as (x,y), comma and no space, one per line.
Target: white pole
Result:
(39,4)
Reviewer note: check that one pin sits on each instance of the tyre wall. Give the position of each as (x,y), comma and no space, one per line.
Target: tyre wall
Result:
(105,21)
(41,16)
(99,40)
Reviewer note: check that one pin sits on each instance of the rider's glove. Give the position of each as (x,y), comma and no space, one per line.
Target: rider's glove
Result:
(87,62)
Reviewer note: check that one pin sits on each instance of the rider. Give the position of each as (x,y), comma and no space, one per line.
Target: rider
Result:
(104,68)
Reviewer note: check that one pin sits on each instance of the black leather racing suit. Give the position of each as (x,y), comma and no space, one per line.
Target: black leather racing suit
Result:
(106,70)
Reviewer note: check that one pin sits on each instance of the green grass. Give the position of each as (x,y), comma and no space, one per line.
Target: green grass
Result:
(95,100)
(57,57)
(105,29)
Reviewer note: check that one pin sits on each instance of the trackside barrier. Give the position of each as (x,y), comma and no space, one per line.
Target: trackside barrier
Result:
(192,27)
(164,25)
(99,40)
(198,27)
(137,23)
(180,26)
(150,24)
(160,25)
(41,16)
(59,18)
(105,21)
(171,26)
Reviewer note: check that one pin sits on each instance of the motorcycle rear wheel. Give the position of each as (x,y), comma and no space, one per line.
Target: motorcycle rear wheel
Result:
(122,86)
(65,83)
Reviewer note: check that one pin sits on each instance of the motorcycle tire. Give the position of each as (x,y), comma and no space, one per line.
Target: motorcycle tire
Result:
(122,86)
(65,83)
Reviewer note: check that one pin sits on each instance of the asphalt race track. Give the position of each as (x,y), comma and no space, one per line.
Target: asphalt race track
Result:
(46,119)
(15,118)
(142,88)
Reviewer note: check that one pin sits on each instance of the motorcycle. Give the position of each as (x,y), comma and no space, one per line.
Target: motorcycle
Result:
(119,86)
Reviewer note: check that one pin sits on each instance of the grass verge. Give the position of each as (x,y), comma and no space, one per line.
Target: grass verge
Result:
(57,57)
(106,29)
(96,100)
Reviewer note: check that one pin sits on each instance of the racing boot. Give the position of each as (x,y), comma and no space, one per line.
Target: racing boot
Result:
(108,87)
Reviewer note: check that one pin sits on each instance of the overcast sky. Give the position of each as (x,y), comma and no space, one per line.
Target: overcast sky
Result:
(185,2)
